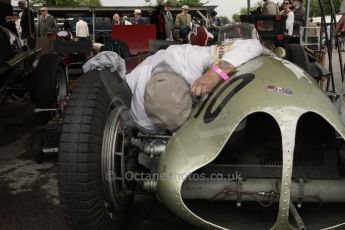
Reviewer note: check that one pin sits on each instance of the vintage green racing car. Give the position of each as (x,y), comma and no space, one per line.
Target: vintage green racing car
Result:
(269,139)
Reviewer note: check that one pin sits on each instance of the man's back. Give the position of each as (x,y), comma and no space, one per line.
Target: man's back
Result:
(185,60)
(82,29)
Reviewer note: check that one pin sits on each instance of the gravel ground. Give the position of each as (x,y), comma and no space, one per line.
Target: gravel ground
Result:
(29,192)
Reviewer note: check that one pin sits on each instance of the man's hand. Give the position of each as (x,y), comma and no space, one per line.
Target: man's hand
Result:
(203,85)
(210,79)
(341,24)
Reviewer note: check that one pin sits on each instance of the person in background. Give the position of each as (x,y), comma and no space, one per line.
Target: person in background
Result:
(6,15)
(158,19)
(82,29)
(299,12)
(270,8)
(312,28)
(68,29)
(214,23)
(183,21)
(126,21)
(24,22)
(137,17)
(169,22)
(340,28)
(117,20)
(287,6)
(18,27)
(46,23)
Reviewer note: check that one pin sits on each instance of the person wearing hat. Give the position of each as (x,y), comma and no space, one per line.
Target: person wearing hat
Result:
(299,13)
(183,21)
(163,84)
(169,22)
(137,17)
(46,23)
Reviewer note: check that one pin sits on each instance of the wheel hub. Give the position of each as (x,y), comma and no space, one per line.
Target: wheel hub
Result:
(116,157)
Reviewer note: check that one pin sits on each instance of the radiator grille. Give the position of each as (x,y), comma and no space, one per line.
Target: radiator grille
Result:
(257,150)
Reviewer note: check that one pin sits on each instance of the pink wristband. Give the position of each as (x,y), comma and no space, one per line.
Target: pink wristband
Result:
(220,73)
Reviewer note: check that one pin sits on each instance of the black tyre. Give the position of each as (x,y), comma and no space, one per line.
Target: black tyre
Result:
(81,181)
(296,54)
(51,82)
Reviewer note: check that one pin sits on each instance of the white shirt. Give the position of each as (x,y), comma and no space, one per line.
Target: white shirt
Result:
(289,22)
(82,29)
(188,61)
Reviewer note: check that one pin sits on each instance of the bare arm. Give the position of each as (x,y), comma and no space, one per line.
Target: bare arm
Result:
(203,85)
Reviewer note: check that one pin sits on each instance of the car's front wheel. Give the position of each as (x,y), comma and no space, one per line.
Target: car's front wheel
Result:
(94,155)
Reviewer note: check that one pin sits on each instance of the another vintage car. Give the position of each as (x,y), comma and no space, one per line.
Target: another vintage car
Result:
(268,138)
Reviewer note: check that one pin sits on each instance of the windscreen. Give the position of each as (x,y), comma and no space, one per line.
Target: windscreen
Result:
(240,30)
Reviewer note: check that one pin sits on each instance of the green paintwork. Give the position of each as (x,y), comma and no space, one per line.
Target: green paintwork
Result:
(197,144)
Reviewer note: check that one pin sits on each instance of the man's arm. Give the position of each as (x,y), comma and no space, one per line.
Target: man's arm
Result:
(53,25)
(240,52)
(178,21)
(203,85)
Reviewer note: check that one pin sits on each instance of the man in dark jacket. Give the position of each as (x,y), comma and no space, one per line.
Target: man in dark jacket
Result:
(137,17)
(299,13)
(24,22)
(169,22)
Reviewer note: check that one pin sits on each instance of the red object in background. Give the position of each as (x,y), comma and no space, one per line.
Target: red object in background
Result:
(136,37)
(199,38)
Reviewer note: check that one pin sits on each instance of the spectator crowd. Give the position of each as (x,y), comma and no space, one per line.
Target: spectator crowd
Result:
(292,9)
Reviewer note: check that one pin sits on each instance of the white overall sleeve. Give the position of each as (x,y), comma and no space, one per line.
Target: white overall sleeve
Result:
(242,51)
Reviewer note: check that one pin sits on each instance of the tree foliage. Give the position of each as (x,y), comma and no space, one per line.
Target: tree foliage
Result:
(315,9)
(67,2)
(244,10)
(225,19)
